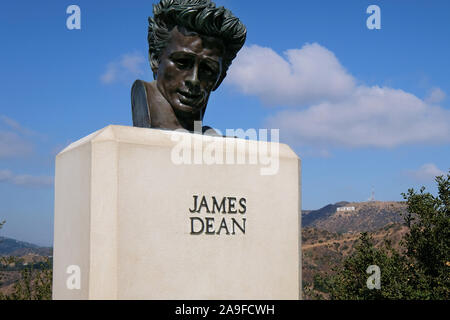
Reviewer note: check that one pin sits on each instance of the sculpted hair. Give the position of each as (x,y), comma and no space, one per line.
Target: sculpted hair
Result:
(200,16)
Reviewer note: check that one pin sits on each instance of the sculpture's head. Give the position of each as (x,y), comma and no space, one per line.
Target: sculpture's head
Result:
(191,46)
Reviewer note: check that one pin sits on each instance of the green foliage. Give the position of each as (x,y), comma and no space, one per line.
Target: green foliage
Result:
(350,282)
(320,283)
(428,241)
(422,272)
(34,283)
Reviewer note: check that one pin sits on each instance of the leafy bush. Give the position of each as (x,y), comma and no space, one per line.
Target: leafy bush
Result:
(422,272)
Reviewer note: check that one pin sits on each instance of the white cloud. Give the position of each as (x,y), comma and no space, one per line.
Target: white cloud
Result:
(315,152)
(7,176)
(15,142)
(328,108)
(12,139)
(436,95)
(125,69)
(427,172)
(12,145)
(16,126)
(307,75)
(378,117)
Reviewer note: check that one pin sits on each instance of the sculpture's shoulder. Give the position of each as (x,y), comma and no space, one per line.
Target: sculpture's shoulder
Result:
(141,111)
(139,105)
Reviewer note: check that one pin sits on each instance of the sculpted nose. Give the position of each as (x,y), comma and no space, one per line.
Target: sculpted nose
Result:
(192,81)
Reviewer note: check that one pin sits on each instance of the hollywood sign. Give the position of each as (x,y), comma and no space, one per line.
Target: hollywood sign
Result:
(345,209)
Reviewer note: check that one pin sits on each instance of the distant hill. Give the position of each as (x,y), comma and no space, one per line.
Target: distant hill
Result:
(309,217)
(12,247)
(367,216)
(27,254)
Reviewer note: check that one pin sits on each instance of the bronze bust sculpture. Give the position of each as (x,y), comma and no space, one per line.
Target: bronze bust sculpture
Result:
(191,46)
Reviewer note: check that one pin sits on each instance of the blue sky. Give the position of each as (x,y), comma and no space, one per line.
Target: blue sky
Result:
(362,108)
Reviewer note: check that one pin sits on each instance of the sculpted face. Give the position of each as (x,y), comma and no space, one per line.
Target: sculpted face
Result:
(189,69)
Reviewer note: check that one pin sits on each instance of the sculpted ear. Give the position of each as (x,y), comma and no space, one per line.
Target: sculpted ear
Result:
(154,64)
(219,82)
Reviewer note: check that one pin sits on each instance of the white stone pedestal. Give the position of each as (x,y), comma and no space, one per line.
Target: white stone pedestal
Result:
(124,227)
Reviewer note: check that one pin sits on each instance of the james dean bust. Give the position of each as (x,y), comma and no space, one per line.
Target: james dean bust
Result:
(191,46)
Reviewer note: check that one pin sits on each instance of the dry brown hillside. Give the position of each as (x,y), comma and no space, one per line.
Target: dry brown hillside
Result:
(323,250)
(368,216)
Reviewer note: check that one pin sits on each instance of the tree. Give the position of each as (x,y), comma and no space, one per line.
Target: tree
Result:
(350,282)
(428,241)
(420,271)
(34,283)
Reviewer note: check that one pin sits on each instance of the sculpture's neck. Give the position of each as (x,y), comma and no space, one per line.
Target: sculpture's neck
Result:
(162,114)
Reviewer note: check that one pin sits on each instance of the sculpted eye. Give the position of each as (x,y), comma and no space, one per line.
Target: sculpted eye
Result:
(182,63)
(209,70)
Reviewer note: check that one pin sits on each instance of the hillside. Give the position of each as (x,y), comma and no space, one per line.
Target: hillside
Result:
(25,255)
(367,216)
(328,237)
(12,247)
(323,250)
(309,217)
